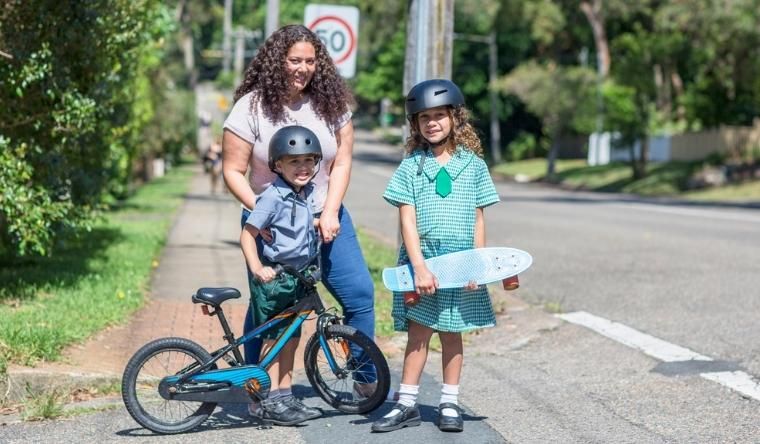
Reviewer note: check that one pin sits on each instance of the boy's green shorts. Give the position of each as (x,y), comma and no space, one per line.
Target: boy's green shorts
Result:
(271,298)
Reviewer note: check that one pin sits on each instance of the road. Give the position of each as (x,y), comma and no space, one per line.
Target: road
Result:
(674,287)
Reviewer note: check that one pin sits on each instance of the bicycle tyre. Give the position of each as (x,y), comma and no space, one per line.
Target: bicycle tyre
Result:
(338,392)
(139,388)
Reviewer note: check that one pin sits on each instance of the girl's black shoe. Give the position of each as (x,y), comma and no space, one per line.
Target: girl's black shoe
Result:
(407,417)
(450,423)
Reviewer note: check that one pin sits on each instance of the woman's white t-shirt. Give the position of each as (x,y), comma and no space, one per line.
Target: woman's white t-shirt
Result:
(255,128)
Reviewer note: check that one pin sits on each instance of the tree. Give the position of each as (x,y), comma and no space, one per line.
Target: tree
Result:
(562,97)
(74,101)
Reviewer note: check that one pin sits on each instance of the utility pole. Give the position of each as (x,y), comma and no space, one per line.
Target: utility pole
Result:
(226,42)
(429,36)
(273,17)
(493,63)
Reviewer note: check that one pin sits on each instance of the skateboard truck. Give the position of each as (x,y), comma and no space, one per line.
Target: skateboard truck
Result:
(411,298)
(511,283)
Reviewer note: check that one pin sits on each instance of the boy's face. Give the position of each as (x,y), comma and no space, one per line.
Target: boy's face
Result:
(297,170)
(434,123)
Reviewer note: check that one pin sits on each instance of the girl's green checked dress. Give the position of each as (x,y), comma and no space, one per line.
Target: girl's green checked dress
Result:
(445,199)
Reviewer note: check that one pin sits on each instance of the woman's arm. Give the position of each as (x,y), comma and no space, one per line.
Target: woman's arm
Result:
(236,157)
(424,281)
(340,174)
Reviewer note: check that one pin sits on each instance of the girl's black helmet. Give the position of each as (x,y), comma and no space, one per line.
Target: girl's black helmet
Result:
(432,93)
(293,141)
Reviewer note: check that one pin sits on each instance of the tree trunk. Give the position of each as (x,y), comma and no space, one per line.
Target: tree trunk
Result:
(186,43)
(593,12)
(552,159)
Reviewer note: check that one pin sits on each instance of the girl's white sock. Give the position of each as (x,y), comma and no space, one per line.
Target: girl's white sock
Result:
(407,396)
(449,393)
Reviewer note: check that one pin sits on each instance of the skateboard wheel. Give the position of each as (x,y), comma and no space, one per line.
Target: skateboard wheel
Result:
(411,298)
(510,283)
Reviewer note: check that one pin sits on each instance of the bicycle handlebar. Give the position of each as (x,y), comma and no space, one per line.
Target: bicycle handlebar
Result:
(313,277)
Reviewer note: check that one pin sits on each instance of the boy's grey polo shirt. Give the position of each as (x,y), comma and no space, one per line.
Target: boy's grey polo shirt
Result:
(292,227)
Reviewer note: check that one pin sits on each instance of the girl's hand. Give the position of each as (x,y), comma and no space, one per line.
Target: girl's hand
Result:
(425,282)
(329,226)
(471,286)
(264,274)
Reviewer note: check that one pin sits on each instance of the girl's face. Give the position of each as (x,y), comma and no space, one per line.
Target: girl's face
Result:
(435,124)
(297,170)
(301,62)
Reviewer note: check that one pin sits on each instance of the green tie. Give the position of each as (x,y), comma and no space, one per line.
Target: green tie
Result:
(443,183)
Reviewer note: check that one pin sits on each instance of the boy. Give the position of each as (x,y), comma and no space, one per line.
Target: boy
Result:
(284,209)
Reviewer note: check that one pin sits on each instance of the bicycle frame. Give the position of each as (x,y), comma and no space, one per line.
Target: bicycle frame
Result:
(207,383)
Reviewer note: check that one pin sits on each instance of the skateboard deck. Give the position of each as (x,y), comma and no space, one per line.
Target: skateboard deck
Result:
(455,270)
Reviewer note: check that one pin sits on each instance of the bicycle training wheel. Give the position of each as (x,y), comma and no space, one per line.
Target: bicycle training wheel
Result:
(145,370)
(363,378)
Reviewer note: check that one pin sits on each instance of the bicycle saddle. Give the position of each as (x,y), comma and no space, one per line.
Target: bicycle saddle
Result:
(214,296)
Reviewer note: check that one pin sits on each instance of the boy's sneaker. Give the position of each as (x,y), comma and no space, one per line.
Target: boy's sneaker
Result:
(296,404)
(277,412)
(406,417)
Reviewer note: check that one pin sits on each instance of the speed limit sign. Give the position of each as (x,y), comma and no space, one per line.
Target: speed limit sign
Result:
(338,28)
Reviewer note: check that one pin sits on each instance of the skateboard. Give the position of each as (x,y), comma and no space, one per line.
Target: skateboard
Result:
(456,270)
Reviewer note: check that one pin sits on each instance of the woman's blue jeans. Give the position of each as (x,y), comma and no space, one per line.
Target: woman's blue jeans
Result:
(346,277)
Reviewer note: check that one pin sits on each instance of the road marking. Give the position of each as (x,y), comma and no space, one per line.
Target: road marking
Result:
(380,171)
(692,212)
(662,350)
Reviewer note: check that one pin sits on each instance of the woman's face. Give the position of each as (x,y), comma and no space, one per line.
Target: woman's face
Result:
(301,62)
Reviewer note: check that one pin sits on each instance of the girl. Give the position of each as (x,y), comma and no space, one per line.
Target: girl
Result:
(440,190)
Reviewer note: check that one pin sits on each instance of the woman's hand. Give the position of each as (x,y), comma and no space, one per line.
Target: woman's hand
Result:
(329,226)
(471,286)
(264,274)
(425,282)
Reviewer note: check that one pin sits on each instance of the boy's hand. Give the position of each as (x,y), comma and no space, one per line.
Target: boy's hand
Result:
(264,274)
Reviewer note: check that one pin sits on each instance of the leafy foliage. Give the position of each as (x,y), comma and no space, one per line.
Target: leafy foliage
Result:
(79,93)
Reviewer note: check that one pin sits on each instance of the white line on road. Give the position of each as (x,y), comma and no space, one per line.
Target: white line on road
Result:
(662,350)
(380,171)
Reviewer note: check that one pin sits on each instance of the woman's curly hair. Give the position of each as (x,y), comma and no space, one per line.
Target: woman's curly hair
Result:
(462,132)
(267,77)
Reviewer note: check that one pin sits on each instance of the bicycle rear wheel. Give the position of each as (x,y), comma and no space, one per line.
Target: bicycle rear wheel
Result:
(145,370)
(363,378)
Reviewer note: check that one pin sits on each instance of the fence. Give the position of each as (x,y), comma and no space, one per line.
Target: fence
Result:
(734,141)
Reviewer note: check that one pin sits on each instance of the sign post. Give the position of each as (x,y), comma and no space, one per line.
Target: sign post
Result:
(338,28)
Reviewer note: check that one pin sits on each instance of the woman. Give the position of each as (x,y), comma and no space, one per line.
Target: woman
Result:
(293,80)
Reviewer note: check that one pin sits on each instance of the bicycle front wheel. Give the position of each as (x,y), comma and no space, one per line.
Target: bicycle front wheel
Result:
(145,370)
(361,381)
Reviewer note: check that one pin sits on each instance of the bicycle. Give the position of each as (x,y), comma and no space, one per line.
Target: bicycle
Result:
(189,384)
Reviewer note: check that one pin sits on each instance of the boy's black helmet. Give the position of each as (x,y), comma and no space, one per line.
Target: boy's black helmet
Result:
(293,141)
(432,93)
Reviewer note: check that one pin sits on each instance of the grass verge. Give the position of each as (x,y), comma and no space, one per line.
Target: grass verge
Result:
(662,179)
(94,279)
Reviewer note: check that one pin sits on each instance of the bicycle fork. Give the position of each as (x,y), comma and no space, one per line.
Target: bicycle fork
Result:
(323,322)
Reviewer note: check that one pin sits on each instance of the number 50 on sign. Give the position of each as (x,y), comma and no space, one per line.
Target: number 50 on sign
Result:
(338,28)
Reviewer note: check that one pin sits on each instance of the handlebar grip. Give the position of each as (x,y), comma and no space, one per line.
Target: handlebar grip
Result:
(278,270)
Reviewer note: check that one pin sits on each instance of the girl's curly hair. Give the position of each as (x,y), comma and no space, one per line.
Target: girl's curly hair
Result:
(267,77)
(462,133)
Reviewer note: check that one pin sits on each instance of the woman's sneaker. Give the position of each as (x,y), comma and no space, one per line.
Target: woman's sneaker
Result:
(277,412)
(296,404)
(405,417)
